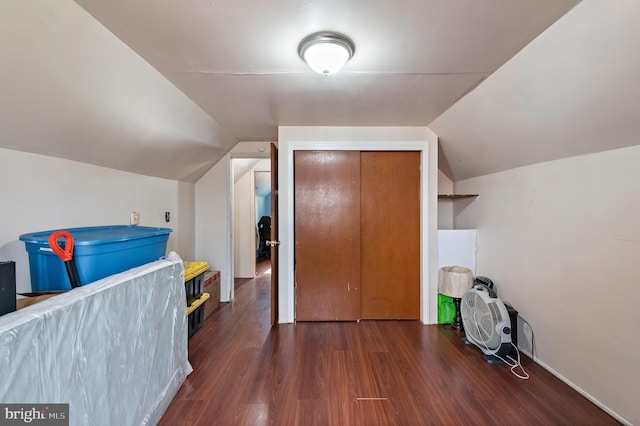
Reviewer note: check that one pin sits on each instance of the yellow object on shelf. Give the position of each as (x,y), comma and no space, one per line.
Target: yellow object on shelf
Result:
(193,269)
(196,303)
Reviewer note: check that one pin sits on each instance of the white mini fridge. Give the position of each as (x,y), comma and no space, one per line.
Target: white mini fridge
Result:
(457,247)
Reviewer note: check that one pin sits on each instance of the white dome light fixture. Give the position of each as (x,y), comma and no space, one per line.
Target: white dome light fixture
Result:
(326,52)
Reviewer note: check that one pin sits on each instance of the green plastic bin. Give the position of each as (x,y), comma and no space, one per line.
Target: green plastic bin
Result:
(446,309)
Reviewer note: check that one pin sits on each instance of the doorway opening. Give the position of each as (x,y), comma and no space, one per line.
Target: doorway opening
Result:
(251,210)
(263,213)
(263,272)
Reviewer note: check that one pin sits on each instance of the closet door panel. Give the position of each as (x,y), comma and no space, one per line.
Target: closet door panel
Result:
(390,234)
(327,235)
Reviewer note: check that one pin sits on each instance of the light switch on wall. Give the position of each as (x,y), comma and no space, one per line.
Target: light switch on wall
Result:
(134,218)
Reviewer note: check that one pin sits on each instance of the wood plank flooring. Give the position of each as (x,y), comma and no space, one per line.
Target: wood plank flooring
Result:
(348,373)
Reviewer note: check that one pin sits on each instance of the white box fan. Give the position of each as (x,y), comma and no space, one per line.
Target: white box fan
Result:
(486,323)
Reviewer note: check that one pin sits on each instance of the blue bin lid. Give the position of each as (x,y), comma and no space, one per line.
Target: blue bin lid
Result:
(99,234)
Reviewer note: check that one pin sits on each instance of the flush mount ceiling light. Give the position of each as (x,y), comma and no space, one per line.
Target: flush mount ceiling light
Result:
(326,52)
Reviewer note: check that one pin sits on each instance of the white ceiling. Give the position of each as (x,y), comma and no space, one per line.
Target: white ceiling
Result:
(167,87)
(238,59)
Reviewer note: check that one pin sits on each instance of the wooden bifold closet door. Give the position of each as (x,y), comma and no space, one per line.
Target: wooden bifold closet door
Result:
(357,235)
(327,235)
(390,235)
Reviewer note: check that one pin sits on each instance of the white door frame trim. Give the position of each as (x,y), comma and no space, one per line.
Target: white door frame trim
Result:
(286,296)
(227,288)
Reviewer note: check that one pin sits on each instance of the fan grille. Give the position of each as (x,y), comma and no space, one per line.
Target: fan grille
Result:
(495,312)
(478,318)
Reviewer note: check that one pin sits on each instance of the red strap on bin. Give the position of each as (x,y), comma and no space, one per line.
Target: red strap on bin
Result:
(65,254)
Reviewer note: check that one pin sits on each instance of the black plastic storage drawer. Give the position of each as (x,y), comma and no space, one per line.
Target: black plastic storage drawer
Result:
(194,287)
(195,314)
(196,319)
(194,280)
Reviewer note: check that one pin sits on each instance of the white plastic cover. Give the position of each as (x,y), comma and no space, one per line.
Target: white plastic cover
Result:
(115,350)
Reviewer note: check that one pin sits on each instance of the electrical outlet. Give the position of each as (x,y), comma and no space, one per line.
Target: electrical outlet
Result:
(167,216)
(134,218)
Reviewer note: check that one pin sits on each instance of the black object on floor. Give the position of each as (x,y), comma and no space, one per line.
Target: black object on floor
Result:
(264,231)
(7,287)
(513,317)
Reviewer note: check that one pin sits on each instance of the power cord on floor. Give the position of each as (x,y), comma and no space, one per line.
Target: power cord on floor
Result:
(516,364)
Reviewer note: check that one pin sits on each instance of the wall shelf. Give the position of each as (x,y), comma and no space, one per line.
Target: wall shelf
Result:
(455,196)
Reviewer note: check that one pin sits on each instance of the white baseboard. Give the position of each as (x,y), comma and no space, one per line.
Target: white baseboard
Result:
(578,389)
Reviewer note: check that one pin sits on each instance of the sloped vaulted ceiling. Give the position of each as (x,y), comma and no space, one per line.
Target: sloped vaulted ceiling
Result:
(71,89)
(167,87)
(238,59)
(572,91)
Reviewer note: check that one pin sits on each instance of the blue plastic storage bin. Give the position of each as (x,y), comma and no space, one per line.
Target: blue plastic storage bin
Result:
(98,252)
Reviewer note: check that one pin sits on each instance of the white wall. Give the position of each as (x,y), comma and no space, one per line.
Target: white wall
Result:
(212,212)
(561,241)
(183,220)
(42,193)
(360,138)
(445,207)
(244,226)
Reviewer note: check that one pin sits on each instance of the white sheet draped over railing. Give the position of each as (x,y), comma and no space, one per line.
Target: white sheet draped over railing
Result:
(115,350)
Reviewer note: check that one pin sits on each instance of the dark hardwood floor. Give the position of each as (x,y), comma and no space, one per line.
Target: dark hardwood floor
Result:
(348,373)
